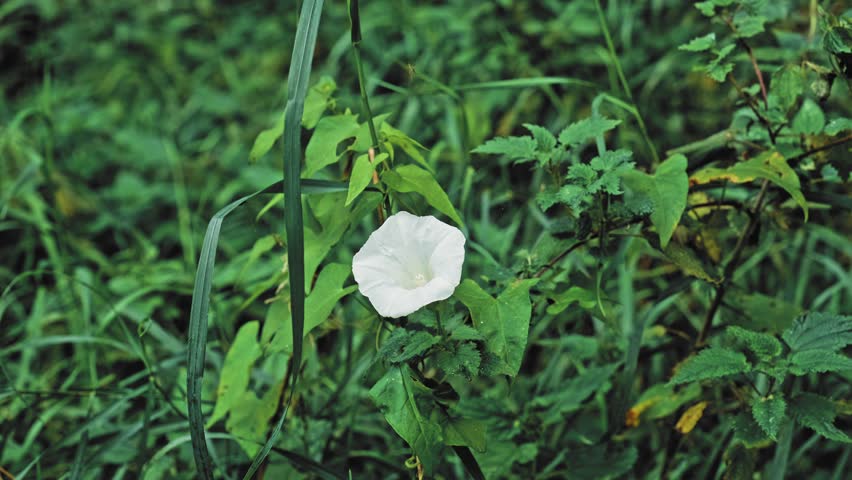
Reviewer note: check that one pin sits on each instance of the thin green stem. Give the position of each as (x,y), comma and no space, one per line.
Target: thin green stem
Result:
(623,80)
(355,24)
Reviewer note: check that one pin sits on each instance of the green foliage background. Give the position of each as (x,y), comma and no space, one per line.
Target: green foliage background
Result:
(655,197)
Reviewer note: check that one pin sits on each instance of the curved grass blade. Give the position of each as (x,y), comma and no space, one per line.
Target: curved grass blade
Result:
(297,89)
(525,83)
(198,316)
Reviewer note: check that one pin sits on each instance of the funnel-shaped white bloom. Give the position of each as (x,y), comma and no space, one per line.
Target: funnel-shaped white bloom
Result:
(408,263)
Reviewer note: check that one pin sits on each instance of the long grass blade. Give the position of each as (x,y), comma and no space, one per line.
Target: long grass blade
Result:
(198,316)
(525,83)
(297,89)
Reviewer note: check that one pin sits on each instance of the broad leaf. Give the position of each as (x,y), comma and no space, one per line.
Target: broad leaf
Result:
(322,147)
(817,413)
(667,190)
(769,165)
(819,331)
(236,371)
(763,345)
(410,178)
(810,120)
(410,409)
(713,362)
(503,321)
(362,173)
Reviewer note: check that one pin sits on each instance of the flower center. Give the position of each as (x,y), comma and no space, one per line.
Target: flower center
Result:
(420,280)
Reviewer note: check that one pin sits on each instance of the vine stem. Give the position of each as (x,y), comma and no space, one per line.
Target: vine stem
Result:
(732,265)
(751,57)
(624,85)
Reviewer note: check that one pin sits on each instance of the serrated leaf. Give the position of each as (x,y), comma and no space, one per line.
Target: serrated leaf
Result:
(700,44)
(708,9)
(520,149)
(463,358)
(586,129)
(809,361)
(416,345)
(410,178)
(819,331)
(810,120)
(322,147)
(769,413)
(718,69)
(763,345)
(713,362)
(817,413)
(748,431)
(362,173)
(770,165)
(667,190)
(837,125)
(503,321)
(545,141)
(410,409)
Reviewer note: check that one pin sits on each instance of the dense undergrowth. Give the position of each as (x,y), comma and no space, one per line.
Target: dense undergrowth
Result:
(654,197)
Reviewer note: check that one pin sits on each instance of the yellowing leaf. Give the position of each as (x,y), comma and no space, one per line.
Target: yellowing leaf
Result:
(771,166)
(690,417)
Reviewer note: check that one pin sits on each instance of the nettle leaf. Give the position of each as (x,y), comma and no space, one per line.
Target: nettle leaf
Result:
(838,125)
(788,84)
(362,173)
(809,361)
(580,132)
(747,430)
(700,44)
(503,321)
(458,330)
(819,331)
(410,178)
(667,191)
(817,413)
(410,409)
(769,413)
(322,147)
(519,149)
(545,141)
(460,358)
(713,362)
(810,120)
(763,345)
(770,165)
(611,165)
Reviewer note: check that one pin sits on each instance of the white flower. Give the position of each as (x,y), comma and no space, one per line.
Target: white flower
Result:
(408,263)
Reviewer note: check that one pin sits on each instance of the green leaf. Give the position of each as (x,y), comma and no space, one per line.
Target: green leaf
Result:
(586,298)
(817,413)
(362,173)
(810,120)
(503,321)
(249,419)
(769,413)
(406,143)
(545,141)
(749,25)
(317,101)
(322,147)
(520,149)
(667,190)
(236,371)
(747,430)
(466,432)
(788,84)
(416,344)
(837,125)
(819,331)
(686,260)
(328,290)
(809,361)
(708,9)
(713,362)
(762,312)
(460,358)
(661,400)
(718,69)
(770,165)
(580,132)
(763,345)
(410,178)
(266,139)
(573,392)
(410,409)
(700,44)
